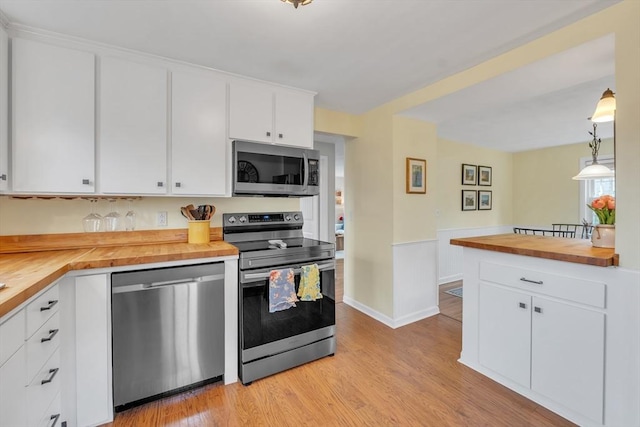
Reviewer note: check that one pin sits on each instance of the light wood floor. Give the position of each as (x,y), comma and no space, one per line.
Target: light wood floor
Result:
(379,377)
(450,305)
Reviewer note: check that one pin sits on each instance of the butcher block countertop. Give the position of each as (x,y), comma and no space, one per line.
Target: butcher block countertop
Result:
(557,248)
(27,273)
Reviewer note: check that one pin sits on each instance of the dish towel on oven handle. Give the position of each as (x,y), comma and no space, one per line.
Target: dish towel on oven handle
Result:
(309,289)
(282,290)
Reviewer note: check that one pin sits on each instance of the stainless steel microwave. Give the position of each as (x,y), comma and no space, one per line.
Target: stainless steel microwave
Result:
(274,170)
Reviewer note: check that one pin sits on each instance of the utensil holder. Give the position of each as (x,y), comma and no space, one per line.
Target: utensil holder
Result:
(198,231)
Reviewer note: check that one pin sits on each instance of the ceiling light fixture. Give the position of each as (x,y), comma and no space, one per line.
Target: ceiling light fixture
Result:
(297,3)
(594,170)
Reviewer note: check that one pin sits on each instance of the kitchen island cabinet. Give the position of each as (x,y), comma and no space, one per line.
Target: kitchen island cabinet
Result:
(4,110)
(53,119)
(564,334)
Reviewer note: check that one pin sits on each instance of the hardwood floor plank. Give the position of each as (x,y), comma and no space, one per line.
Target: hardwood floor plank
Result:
(379,376)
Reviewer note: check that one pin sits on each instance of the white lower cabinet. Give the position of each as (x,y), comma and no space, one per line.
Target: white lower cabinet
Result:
(30,378)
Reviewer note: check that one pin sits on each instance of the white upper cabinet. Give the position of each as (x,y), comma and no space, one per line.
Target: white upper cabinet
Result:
(198,134)
(4,114)
(270,114)
(53,119)
(133,127)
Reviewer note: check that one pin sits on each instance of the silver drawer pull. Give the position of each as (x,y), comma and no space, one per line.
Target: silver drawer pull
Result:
(52,333)
(537,282)
(51,304)
(53,373)
(54,419)
(537,309)
(522,305)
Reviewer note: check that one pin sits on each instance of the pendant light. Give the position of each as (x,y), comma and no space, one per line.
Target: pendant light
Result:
(297,3)
(606,108)
(594,170)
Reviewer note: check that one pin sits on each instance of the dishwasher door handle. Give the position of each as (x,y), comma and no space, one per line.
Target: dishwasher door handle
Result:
(119,289)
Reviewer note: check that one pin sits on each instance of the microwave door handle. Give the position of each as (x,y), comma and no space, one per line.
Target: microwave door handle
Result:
(306,170)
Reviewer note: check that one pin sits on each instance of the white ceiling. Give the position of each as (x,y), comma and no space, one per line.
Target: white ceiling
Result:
(356,54)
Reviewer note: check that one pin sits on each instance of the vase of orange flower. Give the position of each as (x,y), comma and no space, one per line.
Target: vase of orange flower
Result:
(604,234)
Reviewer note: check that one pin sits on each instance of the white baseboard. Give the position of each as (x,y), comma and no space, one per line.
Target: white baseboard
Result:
(449,279)
(394,324)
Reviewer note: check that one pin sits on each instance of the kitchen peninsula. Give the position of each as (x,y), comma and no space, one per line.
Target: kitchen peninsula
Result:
(552,319)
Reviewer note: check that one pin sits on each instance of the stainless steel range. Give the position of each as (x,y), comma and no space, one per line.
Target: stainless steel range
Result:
(274,342)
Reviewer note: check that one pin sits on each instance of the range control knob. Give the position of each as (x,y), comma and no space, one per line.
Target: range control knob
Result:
(296,217)
(232,219)
(287,218)
(243,219)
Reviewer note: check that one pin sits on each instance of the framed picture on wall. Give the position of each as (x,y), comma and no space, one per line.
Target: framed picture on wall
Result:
(469,200)
(484,175)
(484,200)
(416,175)
(469,174)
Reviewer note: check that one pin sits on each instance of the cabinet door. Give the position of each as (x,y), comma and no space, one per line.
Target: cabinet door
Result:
(53,118)
(13,395)
(133,128)
(93,350)
(294,118)
(250,112)
(4,112)
(504,329)
(567,358)
(198,142)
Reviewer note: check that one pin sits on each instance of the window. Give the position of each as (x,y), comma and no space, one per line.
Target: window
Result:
(592,188)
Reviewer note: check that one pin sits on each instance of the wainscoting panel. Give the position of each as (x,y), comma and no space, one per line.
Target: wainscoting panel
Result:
(450,263)
(415,289)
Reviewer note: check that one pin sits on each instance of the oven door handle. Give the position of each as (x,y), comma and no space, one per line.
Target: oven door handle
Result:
(255,276)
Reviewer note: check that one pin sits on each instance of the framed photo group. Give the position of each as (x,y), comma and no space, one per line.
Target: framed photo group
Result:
(476,175)
(476,199)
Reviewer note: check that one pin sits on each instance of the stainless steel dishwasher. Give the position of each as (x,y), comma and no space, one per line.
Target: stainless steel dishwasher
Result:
(168,331)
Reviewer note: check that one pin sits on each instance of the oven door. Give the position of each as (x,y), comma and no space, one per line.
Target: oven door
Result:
(273,332)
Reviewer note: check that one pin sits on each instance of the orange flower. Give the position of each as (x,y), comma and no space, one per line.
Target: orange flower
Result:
(611,204)
(598,204)
(606,198)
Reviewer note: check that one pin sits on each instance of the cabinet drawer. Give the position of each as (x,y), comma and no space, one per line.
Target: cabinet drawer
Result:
(42,345)
(11,336)
(51,416)
(41,309)
(41,395)
(567,288)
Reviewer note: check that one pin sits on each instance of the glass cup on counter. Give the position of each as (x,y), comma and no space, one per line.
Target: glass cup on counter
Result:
(93,222)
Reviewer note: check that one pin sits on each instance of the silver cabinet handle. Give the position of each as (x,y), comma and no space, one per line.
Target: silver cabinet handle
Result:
(523,305)
(3,177)
(268,133)
(178,184)
(86,182)
(53,373)
(280,136)
(51,304)
(52,333)
(160,184)
(537,309)
(535,282)
(55,419)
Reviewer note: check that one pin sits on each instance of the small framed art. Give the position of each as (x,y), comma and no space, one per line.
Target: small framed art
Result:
(484,175)
(484,200)
(469,200)
(416,175)
(468,174)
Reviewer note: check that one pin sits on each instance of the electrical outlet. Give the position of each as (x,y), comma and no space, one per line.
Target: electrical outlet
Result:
(161,219)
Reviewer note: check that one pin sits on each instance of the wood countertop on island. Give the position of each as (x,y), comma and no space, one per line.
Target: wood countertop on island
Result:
(27,273)
(556,248)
